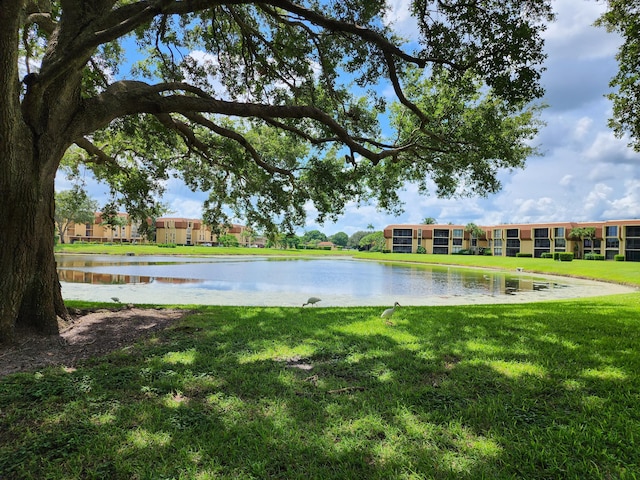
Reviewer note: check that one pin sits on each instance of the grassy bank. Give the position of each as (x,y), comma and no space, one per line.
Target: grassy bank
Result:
(141,249)
(545,390)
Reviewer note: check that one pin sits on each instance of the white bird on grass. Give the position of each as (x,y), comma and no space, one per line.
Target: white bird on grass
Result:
(311,301)
(389,311)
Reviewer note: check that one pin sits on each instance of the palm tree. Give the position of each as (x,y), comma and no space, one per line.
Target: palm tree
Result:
(476,232)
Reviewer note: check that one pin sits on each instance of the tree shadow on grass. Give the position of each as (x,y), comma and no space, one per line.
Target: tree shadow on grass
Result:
(474,392)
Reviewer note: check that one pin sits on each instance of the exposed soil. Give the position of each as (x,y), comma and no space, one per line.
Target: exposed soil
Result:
(89,334)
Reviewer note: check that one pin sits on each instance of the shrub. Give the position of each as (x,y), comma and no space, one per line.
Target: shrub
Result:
(487,252)
(167,245)
(618,258)
(563,256)
(546,255)
(524,255)
(421,249)
(593,256)
(386,250)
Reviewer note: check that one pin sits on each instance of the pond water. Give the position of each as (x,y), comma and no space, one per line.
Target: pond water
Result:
(255,280)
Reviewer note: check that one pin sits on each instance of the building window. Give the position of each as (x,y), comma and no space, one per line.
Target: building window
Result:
(458,233)
(632,231)
(512,233)
(611,242)
(497,233)
(591,247)
(541,242)
(441,241)
(513,246)
(440,233)
(441,250)
(558,232)
(456,244)
(402,240)
(632,243)
(497,252)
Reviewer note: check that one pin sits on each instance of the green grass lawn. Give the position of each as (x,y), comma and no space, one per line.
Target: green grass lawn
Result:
(529,391)
(142,249)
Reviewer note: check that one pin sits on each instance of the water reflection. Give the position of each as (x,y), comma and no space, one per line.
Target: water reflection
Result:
(326,276)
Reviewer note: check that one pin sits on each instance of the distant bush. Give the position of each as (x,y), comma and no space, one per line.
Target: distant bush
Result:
(546,255)
(618,258)
(563,256)
(167,245)
(386,250)
(524,255)
(487,252)
(421,249)
(593,256)
(464,251)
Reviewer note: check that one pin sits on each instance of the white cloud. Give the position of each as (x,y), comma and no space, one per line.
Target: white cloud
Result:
(566,181)
(574,34)
(607,148)
(398,16)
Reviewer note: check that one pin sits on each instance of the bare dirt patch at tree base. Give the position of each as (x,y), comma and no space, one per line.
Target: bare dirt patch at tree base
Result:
(89,334)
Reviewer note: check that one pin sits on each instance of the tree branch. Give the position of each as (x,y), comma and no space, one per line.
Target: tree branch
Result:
(228,133)
(133,97)
(101,157)
(362,32)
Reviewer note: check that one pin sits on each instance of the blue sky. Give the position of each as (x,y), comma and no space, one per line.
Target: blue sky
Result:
(585,173)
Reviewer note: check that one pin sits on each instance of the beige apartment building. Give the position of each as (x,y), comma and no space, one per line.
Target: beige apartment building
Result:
(179,231)
(190,231)
(612,237)
(99,233)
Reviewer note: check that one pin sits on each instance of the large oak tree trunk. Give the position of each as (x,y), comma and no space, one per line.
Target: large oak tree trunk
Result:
(30,296)
(34,116)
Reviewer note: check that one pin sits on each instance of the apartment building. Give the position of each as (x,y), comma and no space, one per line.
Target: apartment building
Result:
(100,233)
(190,231)
(179,231)
(612,237)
